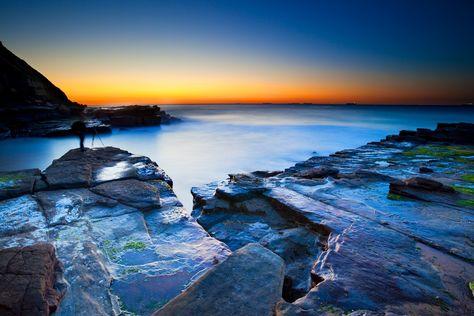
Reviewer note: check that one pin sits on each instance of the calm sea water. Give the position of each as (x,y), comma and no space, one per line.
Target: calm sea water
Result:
(213,141)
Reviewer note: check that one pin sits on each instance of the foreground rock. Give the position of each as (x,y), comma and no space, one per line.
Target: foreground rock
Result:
(30,280)
(30,105)
(249,282)
(126,243)
(364,231)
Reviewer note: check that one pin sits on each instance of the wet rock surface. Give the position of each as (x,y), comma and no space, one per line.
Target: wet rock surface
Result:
(30,280)
(126,243)
(377,234)
(249,282)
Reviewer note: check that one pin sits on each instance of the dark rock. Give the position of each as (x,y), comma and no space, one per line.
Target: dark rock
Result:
(134,193)
(453,133)
(240,187)
(317,173)
(131,115)
(22,88)
(30,280)
(418,187)
(266,174)
(30,105)
(425,170)
(248,282)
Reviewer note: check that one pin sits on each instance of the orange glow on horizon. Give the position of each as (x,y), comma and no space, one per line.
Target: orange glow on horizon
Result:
(213,92)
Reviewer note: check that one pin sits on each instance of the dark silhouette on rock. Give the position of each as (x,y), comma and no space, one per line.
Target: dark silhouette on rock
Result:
(79,128)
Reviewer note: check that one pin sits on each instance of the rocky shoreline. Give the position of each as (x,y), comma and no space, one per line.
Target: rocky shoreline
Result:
(30,105)
(382,229)
(98,120)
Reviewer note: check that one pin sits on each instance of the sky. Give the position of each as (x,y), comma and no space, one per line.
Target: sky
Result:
(139,52)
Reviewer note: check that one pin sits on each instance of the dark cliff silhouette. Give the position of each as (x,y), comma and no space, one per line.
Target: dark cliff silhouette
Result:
(26,95)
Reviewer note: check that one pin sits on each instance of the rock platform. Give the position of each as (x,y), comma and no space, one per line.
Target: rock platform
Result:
(126,243)
(365,231)
(384,229)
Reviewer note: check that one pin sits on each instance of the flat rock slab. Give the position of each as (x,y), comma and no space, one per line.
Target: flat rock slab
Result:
(118,258)
(29,280)
(20,215)
(98,165)
(249,282)
(131,192)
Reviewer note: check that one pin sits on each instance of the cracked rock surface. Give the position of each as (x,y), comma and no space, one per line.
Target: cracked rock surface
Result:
(364,231)
(30,280)
(126,243)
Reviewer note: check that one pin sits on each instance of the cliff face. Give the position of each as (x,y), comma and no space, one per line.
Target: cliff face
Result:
(28,96)
(21,85)
(30,105)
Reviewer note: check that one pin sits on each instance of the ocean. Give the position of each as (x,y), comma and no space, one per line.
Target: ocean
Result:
(212,141)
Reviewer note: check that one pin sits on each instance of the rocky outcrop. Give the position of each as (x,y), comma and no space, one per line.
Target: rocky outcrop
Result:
(22,88)
(131,115)
(452,133)
(30,105)
(30,280)
(248,282)
(26,96)
(374,238)
(126,243)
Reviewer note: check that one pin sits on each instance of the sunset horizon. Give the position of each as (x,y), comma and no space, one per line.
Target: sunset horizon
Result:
(218,53)
(236,157)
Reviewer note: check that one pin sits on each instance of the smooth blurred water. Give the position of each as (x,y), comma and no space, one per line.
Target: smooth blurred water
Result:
(213,141)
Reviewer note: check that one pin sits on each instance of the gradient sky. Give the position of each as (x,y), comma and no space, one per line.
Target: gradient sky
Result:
(121,52)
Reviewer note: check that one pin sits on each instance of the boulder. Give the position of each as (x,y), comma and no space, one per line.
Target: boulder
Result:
(248,282)
(30,280)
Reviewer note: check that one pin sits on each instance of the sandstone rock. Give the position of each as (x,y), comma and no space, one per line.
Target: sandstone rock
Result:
(131,192)
(30,280)
(249,282)
(420,188)
(118,259)
(350,236)
(321,172)
(94,166)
